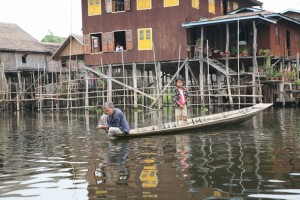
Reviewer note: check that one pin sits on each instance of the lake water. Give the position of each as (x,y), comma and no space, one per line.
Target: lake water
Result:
(60,155)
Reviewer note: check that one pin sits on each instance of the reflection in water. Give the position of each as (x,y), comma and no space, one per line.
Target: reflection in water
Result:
(60,155)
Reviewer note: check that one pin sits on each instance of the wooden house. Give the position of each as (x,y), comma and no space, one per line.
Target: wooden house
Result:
(155,44)
(70,54)
(144,27)
(24,65)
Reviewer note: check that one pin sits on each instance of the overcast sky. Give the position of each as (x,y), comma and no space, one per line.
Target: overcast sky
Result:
(62,17)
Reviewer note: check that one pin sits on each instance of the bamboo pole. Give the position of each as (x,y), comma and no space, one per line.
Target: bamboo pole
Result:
(297,65)
(134,75)
(201,66)
(254,63)
(238,60)
(86,104)
(109,83)
(208,75)
(156,75)
(227,65)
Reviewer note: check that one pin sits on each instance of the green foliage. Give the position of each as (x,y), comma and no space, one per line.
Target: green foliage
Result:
(203,109)
(52,38)
(233,51)
(297,82)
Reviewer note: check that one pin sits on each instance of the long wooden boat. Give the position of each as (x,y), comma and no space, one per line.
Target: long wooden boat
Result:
(219,119)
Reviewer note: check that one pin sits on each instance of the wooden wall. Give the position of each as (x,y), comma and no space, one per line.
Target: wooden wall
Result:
(12,61)
(279,48)
(77,48)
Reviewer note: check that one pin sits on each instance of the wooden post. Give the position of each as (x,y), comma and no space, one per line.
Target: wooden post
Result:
(187,76)
(220,99)
(238,60)
(255,70)
(227,65)
(109,83)
(159,82)
(298,66)
(86,104)
(19,88)
(201,81)
(134,76)
(281,86)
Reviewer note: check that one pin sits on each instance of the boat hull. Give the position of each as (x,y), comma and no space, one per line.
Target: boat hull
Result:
(215,120)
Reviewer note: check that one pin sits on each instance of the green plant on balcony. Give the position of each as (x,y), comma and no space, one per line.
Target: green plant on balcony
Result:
(244,51)
(297,82)
(233,51)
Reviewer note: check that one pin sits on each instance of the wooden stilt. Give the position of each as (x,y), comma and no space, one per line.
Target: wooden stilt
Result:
(254,63)
(134,75)
(201,78)
(227,66)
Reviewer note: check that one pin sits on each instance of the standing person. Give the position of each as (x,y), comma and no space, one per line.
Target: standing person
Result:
(180,98)
(113,121)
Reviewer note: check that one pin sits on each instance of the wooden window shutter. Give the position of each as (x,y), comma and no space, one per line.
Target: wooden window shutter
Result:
(129,41)
(108,6)
(111,41)
(87,44)
(127,4)
(104,42)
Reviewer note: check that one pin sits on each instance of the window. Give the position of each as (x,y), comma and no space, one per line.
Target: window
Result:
(235,5)
(145,39)
(143,4)
(195,4)
(278,36)
(110,40)
(96,40)
(94,7)
(24,58)
(117,5)
(211,6)
(169,3)
(65,63)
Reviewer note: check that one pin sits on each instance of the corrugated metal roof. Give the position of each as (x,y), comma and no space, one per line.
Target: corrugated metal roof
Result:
(256,2)
(231,18)
(13,38)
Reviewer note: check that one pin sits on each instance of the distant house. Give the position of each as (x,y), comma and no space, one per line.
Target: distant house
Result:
(23,63)
(69,54)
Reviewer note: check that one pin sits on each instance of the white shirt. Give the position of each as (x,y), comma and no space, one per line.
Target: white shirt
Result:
(120,48)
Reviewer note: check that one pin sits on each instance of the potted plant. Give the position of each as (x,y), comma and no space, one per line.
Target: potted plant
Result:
(233,51)
(198,44)
(244,51)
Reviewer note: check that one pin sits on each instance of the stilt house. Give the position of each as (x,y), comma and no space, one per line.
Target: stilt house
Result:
(23,65)
(154,41)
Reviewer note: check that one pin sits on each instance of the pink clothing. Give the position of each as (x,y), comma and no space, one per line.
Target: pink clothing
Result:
(181,97)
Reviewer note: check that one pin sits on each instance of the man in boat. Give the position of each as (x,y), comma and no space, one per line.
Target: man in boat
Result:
(113,121)
(180,99)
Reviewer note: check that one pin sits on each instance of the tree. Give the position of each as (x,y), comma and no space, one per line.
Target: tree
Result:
(52,38)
